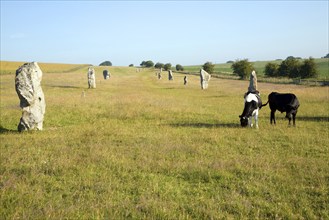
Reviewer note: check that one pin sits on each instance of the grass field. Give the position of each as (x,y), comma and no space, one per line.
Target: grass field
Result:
(322,67)
(141,148)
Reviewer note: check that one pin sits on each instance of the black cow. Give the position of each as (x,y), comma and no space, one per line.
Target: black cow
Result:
(284,102)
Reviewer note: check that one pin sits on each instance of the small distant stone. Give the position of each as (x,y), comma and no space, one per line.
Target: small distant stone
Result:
(170,76)
(91,78)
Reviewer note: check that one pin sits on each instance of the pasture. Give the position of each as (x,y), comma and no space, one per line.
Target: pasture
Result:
(141,148)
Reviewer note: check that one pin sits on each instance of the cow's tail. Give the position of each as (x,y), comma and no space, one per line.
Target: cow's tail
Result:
(265,103)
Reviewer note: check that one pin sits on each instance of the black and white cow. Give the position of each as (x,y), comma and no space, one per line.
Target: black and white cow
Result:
(284,102)
(252,104)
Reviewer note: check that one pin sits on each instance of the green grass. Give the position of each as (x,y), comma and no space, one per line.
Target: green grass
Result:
(323,67)
(141,148)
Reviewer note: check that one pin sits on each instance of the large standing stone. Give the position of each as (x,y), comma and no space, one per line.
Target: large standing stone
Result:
(170,76)
(91,78)
(32,101)
(252,82)
(205,77)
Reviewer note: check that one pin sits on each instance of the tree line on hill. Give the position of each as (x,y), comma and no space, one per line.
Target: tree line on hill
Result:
(291,67)
(208,66)
(149,64)
(159,65)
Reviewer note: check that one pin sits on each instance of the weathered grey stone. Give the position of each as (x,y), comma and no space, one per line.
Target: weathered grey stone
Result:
(91,78)
(32,101)
(106,74)
(205,77)
(252,82)
(170,76)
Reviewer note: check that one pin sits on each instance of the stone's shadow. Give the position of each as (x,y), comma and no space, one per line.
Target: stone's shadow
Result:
(64,87)
(217,96)
(207,125)
(170,88)
(312,118)
(5,130)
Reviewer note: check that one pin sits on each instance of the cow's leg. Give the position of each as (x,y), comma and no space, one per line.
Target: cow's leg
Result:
(294,118)
(273,116)
(256,120)
(288,115)
(256,117)
(250,121)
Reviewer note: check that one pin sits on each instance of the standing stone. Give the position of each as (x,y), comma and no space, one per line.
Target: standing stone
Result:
(91,78)
(170,76)
(252,82)
(32,101)
(185,80)
(106,74)
(205,77)
(159,75)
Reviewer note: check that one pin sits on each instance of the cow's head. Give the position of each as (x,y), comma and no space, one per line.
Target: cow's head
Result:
(244,121)
(250,105)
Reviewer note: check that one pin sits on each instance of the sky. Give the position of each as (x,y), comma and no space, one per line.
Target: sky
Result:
(176,32)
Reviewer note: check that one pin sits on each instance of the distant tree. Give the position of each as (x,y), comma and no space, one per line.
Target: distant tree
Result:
(179,67)
(167,66)
(106,63)
(208,67)
(230,61)
(326,56)
(159,65)
(242,68)
(148,63)
(131,65)
(271,69)
(308,69)
(290,67)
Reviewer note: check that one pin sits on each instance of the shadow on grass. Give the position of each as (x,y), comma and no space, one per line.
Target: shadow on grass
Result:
(5,130)
(217,96)
(207,125)
(171,88)
(64,87)
(312,118)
